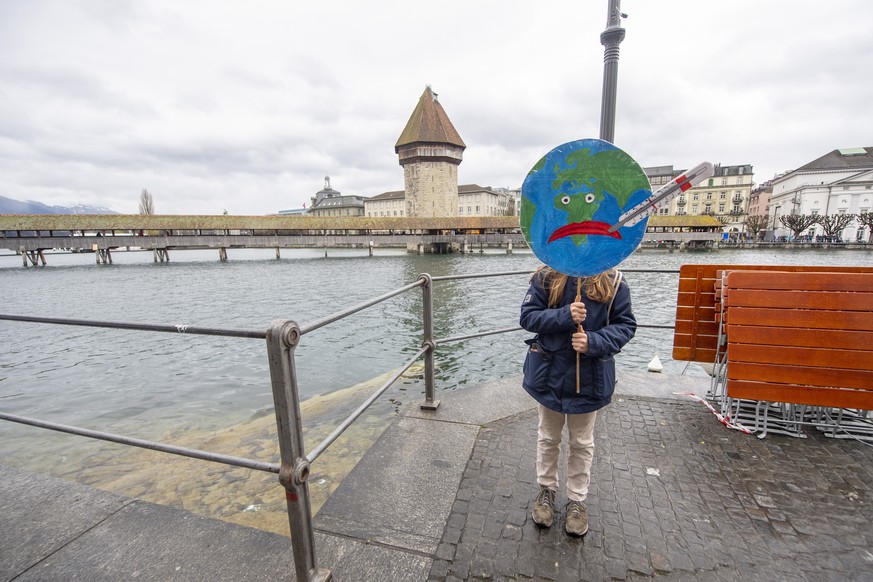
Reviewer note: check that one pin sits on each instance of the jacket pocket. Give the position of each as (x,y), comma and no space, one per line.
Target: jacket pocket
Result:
(537,364)
(605,371)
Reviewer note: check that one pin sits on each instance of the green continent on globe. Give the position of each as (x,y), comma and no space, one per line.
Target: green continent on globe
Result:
(585,179)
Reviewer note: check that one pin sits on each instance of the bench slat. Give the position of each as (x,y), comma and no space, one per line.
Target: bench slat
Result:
(703,328)
(806,357)
(860,399)
(801,299)
(815,319)
(792,374)
(693,354)
(808,281)
(813,338)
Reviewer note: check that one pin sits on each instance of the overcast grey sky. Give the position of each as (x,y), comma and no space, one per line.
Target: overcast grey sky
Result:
(246,106)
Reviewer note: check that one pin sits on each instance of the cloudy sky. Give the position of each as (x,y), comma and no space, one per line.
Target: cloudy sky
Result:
(246,106)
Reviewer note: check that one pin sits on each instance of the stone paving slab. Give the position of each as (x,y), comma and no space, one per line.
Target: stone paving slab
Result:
(34,526)
(52,529)
(675,495)
(56,531)
(400,493)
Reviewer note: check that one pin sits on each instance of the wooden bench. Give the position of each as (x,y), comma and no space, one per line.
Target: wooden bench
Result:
(799,337)
(793,339)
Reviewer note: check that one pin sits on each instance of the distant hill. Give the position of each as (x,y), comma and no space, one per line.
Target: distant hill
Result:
(10,206)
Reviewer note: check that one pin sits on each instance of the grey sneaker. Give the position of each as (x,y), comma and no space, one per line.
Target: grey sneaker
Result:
(544,507)
(577,519)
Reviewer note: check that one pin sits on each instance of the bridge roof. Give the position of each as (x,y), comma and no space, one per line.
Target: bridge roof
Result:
(94,222)
(684,220)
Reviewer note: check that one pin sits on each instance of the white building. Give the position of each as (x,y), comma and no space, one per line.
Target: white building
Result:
(473,200)
(840,182)
(385,204)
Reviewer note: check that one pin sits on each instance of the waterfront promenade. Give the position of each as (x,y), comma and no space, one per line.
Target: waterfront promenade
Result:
(447,496)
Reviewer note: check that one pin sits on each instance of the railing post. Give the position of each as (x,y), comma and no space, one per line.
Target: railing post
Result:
(427,320)
(282,339)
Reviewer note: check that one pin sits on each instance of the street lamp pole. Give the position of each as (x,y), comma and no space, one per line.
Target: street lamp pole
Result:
(610,39)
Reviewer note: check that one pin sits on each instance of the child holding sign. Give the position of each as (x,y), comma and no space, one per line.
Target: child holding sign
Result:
(580,324)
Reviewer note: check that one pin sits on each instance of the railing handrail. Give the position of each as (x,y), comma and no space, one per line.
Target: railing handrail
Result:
(144,444)
(186,329)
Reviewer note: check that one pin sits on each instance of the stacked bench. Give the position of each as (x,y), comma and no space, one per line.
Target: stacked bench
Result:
(790,346)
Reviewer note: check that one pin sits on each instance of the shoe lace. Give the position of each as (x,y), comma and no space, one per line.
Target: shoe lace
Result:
(546,497)
(574,507)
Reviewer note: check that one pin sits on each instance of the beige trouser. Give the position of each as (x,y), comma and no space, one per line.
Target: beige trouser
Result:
(581,442)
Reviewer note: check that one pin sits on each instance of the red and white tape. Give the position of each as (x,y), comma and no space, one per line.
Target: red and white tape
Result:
(725,420)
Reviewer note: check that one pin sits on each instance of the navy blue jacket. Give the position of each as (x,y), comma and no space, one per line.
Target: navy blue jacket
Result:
(550,365)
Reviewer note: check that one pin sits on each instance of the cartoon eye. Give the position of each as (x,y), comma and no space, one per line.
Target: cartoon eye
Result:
(589,198)
(565,200)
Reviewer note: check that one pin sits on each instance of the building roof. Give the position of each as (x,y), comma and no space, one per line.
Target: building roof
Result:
(462,189)
(429,123)
(338,202)
(842,159)
(465,188)
(393,195)
(684,220)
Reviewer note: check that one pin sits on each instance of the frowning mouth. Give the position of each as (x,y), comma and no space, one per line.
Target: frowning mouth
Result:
(587,227)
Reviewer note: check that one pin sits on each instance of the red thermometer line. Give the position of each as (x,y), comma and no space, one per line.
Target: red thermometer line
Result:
(664,194)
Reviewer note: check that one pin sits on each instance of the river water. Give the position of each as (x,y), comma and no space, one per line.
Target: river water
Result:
(214,393)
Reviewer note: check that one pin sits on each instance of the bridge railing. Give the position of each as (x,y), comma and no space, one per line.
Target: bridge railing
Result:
(282,338)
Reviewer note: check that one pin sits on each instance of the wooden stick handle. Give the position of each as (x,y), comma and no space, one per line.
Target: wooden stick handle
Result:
(578,299)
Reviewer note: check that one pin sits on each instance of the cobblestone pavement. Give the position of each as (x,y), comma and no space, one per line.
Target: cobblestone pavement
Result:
(674,495)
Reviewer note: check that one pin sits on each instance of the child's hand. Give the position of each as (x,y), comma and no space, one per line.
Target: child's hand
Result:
(580,342)
(578,312)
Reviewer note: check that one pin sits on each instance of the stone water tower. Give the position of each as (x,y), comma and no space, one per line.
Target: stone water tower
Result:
(430,151)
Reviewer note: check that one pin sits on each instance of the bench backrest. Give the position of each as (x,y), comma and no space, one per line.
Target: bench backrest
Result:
(695,337)
(800,337)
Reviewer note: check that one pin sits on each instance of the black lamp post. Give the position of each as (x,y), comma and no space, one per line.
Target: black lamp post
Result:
(610,39)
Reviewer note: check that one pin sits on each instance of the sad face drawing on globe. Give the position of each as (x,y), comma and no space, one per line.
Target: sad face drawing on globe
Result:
(572,197)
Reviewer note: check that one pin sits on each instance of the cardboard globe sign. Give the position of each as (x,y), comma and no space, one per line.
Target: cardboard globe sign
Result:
(570,200)
(585,205)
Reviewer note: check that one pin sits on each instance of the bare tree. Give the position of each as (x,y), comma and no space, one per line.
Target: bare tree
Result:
(755,223)
(866,219)
(797,223)
(833,224)
(146,203)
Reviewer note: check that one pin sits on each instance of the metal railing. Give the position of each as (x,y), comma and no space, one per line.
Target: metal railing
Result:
(282,338)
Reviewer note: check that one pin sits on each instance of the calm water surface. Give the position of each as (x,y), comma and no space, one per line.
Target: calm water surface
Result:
(160,386)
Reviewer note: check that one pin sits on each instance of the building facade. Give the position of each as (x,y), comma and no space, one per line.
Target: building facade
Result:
(330,202)
(386,204)
(725,195)
(839,182)
(430,151)
(474,200)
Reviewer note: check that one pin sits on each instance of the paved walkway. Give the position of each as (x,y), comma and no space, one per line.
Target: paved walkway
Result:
(447,496)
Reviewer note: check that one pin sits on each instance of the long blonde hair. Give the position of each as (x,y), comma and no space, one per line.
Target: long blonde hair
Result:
(601,287)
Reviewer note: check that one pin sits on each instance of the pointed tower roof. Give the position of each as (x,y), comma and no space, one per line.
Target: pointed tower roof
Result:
(430,124)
